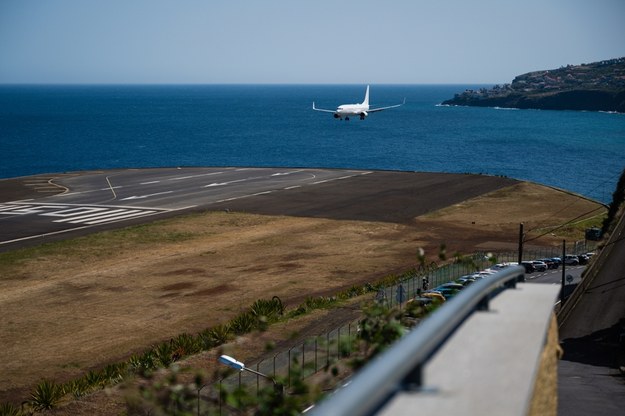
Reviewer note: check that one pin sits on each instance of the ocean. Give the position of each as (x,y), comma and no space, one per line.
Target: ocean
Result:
(54,129)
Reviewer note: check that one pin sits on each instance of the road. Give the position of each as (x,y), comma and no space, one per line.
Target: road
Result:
(93,200)
(592,333)
(90,201)
(554,277)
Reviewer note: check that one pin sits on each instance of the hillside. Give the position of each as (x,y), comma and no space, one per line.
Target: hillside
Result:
(598,86)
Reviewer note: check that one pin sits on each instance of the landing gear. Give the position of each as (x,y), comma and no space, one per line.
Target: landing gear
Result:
(346,118)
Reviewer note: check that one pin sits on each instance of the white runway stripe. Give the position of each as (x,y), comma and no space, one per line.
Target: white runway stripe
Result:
(92,215)
(120,217)
(78,214)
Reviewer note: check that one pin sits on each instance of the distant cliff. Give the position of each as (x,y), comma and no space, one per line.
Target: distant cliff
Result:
(599,86)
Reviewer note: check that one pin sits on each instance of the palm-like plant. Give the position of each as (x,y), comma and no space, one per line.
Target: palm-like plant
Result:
(46,395)
(243,323)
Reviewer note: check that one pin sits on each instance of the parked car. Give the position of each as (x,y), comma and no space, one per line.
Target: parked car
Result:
(583,259)
(551,263)
(539,266)
(435,296)
(571,260)
(422,300)
(449,290)
(529,267)
(465,280)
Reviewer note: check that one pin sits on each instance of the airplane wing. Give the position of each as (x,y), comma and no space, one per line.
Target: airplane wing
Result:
(321,109)
(373,110)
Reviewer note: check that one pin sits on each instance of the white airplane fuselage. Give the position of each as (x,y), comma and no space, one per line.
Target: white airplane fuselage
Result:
(347,110)
(361,110)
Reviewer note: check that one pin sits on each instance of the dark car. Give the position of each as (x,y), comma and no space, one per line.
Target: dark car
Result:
(551,263)
(449,290)
(583,259)
(529,267)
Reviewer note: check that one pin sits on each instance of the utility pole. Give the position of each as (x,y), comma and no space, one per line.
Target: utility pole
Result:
(520,243)
(563,273)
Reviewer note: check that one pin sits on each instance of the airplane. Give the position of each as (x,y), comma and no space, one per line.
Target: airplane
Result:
(362,109)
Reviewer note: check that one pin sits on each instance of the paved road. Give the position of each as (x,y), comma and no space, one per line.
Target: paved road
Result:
(554,277)
(91,201)
(592,337)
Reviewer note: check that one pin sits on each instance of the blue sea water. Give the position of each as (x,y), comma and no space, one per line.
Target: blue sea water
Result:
(50,129)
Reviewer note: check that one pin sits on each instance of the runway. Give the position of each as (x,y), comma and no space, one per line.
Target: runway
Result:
(86,202)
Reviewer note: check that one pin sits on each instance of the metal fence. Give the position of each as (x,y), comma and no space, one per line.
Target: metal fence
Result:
(316,353)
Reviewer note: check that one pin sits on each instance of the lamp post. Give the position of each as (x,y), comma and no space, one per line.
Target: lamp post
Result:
(238,365)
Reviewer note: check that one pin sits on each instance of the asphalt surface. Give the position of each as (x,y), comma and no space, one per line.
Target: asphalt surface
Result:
(592,334)
(52,207)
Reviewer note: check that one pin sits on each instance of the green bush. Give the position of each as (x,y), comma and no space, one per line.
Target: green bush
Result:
(8,409)
(244,323)
(46,395)
(184,345)
(219,334)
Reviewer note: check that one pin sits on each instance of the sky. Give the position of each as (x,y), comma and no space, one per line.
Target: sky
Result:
(301,42)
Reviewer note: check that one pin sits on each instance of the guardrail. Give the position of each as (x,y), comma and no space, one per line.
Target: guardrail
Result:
(400,367)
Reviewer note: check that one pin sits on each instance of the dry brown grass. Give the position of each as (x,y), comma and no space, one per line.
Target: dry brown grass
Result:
(98,299)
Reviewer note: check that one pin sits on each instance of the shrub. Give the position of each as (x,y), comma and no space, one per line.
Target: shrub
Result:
(142,364)
(243,323)
(113,373)
(164,353)
(77,388)
(269,309)
(219,334)
(184,345)
(46,395)
(8,409)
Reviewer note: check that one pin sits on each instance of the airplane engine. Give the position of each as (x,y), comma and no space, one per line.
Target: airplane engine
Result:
(363,115)
(336,115)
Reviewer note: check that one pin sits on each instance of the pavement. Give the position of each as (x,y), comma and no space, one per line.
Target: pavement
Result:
(47,208)
(591,380)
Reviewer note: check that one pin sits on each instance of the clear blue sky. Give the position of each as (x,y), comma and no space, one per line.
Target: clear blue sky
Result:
(290,41)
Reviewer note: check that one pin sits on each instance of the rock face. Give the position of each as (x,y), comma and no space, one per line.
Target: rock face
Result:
(598,86)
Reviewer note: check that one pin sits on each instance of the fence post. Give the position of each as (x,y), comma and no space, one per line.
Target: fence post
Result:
(520,243)
(316,353)
(349,339)
(338,343)
(327,349)
(289,369)
(220,392)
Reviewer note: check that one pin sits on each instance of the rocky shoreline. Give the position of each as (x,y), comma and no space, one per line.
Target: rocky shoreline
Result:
(599,86)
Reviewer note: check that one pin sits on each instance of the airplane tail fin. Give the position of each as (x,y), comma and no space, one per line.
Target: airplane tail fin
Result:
(366,101)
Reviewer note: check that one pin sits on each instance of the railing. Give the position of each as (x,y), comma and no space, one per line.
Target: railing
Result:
(400,367)
(314,353)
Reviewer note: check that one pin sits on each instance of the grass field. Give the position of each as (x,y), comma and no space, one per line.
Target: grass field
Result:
(80,304)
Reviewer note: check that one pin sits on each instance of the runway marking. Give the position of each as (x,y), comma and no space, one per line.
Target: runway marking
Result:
(149,183)
(340,178)
(145,196)
(287,173)
(210,185)
(79,214)
(180,178)
(120,217)
(9,209)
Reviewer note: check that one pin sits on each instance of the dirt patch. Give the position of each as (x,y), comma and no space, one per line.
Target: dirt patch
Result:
(82,310)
